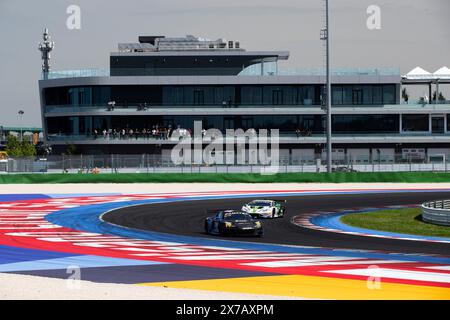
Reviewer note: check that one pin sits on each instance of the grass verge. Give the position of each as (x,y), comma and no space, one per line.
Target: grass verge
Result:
(406,221)
(337,177)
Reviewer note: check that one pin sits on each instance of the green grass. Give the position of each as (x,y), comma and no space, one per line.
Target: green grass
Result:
(337,177)
(406,221)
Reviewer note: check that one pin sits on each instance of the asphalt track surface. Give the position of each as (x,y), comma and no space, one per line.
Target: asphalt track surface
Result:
(187,218)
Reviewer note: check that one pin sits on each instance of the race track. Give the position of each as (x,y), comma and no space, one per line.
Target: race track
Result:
(156,240)
(187,218)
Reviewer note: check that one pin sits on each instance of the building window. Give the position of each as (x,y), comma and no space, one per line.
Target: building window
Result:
(306,95)
(251,95)
(367,94)
(357,95)
(336,94)
(347,95)
(80,96)
(349,124)
(277,97)
(389,94)
(415,122)
(377,95)
(199,97)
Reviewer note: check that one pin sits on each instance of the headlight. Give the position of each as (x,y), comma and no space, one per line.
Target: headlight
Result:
(228,224)
(258,224)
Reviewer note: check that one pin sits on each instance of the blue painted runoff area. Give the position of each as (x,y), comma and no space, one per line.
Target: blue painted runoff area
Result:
(80,261)
(10,255)
(18,197)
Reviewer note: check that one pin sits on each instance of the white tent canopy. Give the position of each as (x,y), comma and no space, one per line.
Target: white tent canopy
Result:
(418,73)
(442,73)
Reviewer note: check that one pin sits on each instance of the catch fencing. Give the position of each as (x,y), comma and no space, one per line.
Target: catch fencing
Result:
(152,163)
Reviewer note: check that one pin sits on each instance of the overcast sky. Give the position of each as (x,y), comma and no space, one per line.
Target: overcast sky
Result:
(413,32)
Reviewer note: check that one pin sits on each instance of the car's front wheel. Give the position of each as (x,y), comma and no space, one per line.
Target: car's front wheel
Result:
(221,230)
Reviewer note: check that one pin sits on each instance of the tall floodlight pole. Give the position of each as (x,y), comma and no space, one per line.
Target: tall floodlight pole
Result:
(329,144)
(45,47)
(21,112)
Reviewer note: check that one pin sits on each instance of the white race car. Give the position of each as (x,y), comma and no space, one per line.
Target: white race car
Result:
(265,208)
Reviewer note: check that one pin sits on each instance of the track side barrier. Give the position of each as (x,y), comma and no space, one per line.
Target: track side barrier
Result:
(436,212)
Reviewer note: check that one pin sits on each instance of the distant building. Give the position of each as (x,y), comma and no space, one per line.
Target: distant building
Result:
(29,133)
(168,83)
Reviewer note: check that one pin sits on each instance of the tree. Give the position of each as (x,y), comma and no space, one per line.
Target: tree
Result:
(28,149)
(405,95)
(440,97)
(15,148)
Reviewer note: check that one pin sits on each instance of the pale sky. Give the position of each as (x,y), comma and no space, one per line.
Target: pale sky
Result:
(413,33)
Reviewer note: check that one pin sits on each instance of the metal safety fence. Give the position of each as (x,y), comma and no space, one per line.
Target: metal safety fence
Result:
(149,163)
(436,212)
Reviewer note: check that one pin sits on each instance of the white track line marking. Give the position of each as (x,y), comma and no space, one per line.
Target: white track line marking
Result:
(397,274)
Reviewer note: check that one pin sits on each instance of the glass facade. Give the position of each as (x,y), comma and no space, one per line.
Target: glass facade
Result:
(198,95)
(415,122)
(366,123)
(210,95)
(363,94)
(287,124)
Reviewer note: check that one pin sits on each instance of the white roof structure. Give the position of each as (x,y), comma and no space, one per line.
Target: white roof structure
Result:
(419,75)
(442,73)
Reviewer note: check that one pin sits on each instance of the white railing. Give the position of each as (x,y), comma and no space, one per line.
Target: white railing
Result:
(436,212)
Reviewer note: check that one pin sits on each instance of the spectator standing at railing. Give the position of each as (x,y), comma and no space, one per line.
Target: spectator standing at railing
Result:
(169,132)
(95,134)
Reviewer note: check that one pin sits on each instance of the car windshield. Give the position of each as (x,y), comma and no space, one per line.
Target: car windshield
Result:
(237,216)
(260,203)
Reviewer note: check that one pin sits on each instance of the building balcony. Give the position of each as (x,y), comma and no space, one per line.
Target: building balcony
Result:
(269,69)
(227,108)
(284,137)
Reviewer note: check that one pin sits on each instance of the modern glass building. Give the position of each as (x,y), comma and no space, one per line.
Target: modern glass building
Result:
(160,85)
